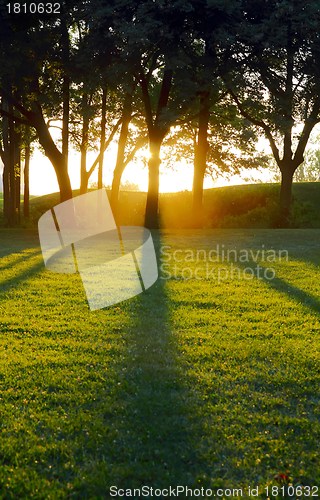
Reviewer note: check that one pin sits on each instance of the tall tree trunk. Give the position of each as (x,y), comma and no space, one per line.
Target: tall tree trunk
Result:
(197,196)
(120,165)
(65,49)
(26,192)
(158,127)
(65,120)
(115,188)
(52,152)
(6,161)
(84,178)
(6,190)
(83,150)
(200,159)
(287,173)
(17,177)
(152,206)
(9,156)
(10,170)
(102,136)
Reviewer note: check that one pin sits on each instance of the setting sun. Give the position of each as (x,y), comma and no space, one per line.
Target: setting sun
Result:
(43,179)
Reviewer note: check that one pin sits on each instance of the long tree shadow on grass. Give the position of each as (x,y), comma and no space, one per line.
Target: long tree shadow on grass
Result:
(284,287)
(17,240)
(114,407)
(134,426)
(18,257)
(152,418)
(23,274)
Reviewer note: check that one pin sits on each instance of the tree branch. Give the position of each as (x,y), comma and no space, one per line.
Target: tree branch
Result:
(25,112)
(55,126)
(107,143)
(310,122)
(164,93)
(142,141)
(13,117)
(258,123)
(2,156)
(188,119)
(153,65)
(146,101)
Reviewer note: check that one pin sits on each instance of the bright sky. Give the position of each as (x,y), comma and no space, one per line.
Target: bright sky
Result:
(43,179)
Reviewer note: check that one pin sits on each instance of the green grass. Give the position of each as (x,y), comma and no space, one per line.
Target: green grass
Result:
(245,206)
(194,382)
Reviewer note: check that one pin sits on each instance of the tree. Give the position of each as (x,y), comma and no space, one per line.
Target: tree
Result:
(122,142)
(148,48)
(10,151)
(157,127)
(309,170)
(38,72)
(99,45)
(272,73)
(26,171)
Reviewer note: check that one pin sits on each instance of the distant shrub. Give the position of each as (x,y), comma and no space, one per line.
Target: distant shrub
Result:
(303,215)
(245,206)
(258,217)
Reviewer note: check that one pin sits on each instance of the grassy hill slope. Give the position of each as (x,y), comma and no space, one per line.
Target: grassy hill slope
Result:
(250,205)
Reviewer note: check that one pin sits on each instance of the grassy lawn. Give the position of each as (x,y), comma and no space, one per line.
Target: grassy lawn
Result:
(244,206)
(196,382)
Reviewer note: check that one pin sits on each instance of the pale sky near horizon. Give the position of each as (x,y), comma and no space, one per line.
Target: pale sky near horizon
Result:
(43,179)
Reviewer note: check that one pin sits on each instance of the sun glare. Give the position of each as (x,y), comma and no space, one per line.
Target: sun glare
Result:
(43,179)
